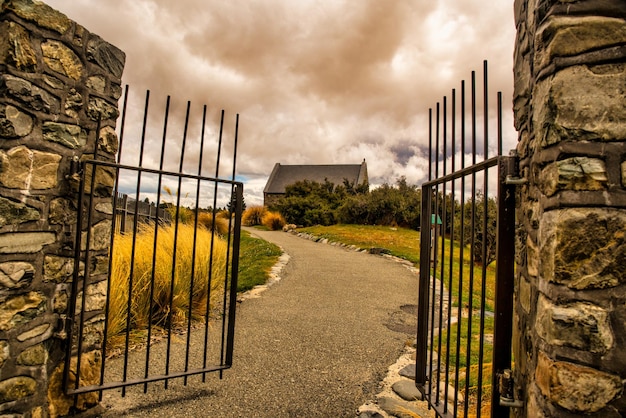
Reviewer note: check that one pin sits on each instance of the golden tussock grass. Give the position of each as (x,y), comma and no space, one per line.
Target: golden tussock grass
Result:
(167,307)
(253,215)
(273,221)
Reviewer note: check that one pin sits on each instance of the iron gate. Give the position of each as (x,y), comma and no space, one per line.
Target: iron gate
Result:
(153,296)
(466,262)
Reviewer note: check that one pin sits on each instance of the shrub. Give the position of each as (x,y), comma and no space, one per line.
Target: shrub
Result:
(253,216)
(141,313)
(273,220)
(205,219)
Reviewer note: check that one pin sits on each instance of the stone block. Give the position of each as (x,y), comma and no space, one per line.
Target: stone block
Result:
(583,248)
(26,169)
(33,356)
(624,174)
(577,173)
(21,309)
(576,388)
(97,83)
(17,388)
(579,325)
(16,48)
(100,236)
(39,13)
(16,274)
(36,332)
(61,59)
(107,56)
(62,212)
(5,352)
(58,269)
(25,242)
(34,97)
(100,109)
(567,36)
(14,213)
(96,297)
(581,104)
(73,104)
(108,141)
(14,123)
(68,135)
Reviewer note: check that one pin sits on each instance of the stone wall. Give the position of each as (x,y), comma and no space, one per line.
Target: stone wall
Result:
(56,81)
(570,112)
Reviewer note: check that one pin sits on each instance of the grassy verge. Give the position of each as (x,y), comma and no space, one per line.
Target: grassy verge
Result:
(401,242)
(256,258)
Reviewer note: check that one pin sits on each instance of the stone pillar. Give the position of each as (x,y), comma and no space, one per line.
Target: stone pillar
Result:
(56,81)
(570,302)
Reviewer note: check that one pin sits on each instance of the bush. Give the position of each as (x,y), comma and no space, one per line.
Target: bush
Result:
(253,216)
(205,219)
(273,221)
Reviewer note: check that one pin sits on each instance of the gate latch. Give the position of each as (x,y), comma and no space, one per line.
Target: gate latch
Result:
(507,390)
(512,171)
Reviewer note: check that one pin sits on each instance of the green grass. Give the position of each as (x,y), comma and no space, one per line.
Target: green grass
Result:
(256,258)
(401,242)
(405,243)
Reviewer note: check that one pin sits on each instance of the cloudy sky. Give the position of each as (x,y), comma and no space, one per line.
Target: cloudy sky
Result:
(314,81)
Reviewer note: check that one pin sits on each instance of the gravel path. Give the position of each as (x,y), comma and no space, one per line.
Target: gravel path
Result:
(315,344)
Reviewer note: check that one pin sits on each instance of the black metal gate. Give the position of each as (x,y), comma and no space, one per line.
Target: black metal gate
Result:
(466,262)
(155,275)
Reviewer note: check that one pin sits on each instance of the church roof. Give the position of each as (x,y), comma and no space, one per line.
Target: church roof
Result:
(284,175)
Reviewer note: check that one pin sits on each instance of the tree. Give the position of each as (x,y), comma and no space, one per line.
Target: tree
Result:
(478,213)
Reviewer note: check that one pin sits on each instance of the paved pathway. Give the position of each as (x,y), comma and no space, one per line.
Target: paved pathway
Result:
(316,344)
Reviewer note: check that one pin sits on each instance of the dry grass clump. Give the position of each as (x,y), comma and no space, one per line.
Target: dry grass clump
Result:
(166,309)
(273,221)
(253,216)
(205,219)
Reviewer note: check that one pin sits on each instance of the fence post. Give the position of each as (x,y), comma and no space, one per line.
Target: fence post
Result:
(570,298)
(57,81)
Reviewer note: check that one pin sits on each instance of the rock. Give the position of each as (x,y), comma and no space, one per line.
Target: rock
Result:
(99,109)
(16,275)
(33,356)
(583,248)
(61,59)
(576,388)
(16,47)
(579,325)
(13,213)
(25,242)
(68,135)
(402,409)
(22,168)
(14,123)
(23,90)
(408,371)
(39,13)
(406,390)
(34,333)
(21,309)
(108,141)
(578,173)
(5,352)
(17,388)
(106,55)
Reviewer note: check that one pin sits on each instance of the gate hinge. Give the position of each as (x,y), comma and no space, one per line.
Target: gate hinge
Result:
(507,390)
(512,176)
